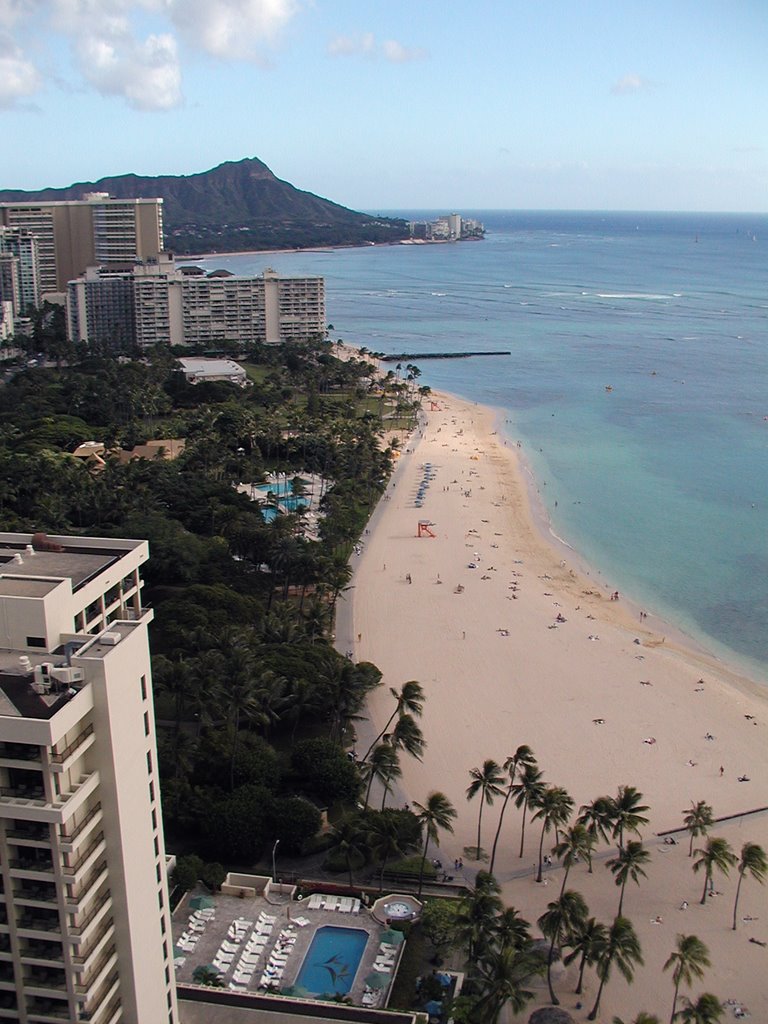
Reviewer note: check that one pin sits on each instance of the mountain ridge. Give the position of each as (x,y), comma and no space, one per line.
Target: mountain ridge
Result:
(234,206)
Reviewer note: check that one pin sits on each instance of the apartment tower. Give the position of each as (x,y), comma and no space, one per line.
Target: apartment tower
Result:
(96,230)
(84,919)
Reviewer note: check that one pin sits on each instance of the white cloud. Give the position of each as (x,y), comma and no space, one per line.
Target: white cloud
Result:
(130,48)
(629,84)
(231,29)
(145,73)
(366,45)
(19,78)
(395,52)
(114,59)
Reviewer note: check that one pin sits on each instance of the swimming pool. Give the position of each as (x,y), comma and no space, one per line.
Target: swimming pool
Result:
(332,960)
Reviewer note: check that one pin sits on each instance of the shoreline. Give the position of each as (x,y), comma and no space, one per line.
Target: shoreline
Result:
(678,636)
(499,670)
(410,242)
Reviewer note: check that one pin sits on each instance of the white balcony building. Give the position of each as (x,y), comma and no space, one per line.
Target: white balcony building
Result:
(84,919)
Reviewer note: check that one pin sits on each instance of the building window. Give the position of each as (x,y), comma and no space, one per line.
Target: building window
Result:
(163,930)
(36,641)
(167,976)
(160,900)
(146,723)
(143,687)
(149,761)
(152,792)
(154,819)
(158,873)
(157,846)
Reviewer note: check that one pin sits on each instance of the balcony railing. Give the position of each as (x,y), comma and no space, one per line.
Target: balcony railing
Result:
(74,835)
(70,871)
(60,758)
(79,929)
(23,794)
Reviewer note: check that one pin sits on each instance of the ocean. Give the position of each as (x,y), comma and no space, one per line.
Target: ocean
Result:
(637,384)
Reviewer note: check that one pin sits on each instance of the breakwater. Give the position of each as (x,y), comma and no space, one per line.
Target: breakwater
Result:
(398,357)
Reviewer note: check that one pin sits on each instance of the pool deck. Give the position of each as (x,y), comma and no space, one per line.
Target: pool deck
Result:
(228,909)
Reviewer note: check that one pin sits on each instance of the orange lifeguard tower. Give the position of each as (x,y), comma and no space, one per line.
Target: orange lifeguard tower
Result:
(425,529)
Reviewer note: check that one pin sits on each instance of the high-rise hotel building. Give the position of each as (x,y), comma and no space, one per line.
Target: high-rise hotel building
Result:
(84,919)
(96,230)
(153,303)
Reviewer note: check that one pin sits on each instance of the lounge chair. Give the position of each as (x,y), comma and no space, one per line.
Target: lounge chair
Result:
(355,906)
(383,968)
(331,902)
(314,902)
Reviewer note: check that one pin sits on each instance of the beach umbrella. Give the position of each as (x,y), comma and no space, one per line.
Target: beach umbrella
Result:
(201,902)
(392,936)
(434,1008)
(376,980)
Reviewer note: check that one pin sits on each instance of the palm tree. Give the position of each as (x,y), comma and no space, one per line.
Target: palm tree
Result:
(628,813)
(585,941)
(382,765)
(706,1010)
(575,842)
(527,790)
(409,700)
(753,862)
(716,854)
(349,839)
(628,864)
(487,782)
(477,915)
(407,736)
(619,947)
(698,820)
(522,756)
(383,842)
(553,808)
(562,915)
(438,813)
(511,929)
(598,818)
(501,978)
(687,961)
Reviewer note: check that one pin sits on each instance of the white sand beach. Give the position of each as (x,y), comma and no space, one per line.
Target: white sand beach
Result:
(586,694)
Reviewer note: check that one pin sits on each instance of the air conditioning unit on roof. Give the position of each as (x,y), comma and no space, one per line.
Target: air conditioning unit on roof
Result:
(110,638)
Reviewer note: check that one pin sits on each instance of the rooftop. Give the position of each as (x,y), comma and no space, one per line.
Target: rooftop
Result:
(220,933)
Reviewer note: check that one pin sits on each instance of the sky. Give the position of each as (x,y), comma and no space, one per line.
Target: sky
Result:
(399,104)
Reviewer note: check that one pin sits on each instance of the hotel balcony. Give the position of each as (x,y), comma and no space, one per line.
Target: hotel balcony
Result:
(32,868)
(63,760)
(37,923)
(101,971)
(82,931)
(45,1010)
(77,903)
(46,982)
(104,1007)
(20,755)
(74,873)
(71,835)
(88,953)
(35,953)
(29,833)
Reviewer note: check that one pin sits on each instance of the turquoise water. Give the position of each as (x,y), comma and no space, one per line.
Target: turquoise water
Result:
(662,482)
(332,960)
(285,497)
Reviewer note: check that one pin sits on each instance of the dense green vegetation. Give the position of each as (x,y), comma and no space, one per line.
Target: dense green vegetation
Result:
(254,703)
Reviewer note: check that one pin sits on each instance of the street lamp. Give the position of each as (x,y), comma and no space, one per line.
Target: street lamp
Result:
(274,851)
